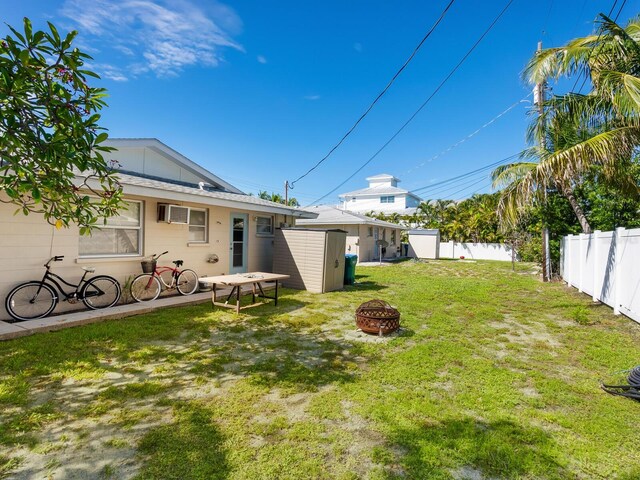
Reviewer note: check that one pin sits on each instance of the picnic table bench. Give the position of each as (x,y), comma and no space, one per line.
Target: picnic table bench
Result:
(237,281)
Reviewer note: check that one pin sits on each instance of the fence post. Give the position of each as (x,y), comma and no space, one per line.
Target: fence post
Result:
(617,266)
(566,272)
(596,260)
(580,261)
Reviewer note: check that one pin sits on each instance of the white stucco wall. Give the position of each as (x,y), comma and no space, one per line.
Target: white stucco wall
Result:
(372,202)
(476,251)
(26,243)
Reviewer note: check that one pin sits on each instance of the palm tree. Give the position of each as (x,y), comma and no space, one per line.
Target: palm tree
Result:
(578,131)
(277,198)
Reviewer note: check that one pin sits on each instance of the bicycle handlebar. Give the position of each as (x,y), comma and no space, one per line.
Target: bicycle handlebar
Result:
(57,258)
(156,256)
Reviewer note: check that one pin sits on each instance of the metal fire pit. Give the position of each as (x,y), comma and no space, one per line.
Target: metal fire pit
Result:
(377,317)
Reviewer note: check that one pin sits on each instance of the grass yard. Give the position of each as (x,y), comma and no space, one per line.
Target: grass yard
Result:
(495,375)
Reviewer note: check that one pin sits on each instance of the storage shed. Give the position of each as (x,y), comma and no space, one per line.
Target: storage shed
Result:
(313,258)
(424,243)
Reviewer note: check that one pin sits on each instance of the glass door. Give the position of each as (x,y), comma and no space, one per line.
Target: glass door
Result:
(239,236)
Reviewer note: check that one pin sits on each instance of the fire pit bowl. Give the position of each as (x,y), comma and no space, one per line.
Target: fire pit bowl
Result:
(377,317)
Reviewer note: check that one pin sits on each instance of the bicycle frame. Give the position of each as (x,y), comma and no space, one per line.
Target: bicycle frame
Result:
(174,276)
(52,277)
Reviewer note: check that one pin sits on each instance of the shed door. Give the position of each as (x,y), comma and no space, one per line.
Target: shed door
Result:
(239,237)
(334,273)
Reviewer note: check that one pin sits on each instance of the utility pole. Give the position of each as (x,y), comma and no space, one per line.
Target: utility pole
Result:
(286,192)
(538,99)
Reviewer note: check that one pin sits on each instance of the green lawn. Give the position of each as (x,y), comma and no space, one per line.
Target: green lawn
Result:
(495,375)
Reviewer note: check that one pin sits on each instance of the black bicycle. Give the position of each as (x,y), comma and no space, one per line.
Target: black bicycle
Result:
(37,299)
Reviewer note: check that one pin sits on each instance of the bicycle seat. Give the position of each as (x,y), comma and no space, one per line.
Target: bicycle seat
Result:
(89,269)
(178,263)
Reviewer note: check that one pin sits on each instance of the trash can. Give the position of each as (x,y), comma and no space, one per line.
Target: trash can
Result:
(350,260)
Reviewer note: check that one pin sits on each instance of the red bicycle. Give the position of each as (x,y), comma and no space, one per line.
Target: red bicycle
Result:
(148,286)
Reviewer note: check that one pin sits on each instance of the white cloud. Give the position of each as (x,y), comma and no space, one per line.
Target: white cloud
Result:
(312,97)
(162,36)
(261,59)
(111,72)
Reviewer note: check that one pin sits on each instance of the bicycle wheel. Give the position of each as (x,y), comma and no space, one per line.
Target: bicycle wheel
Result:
(100,292)
(31,300)
(187,282)
(145,287)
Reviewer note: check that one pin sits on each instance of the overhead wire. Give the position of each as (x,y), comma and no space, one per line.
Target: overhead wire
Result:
(471,135)
(467,188)
(380,95)
(424,104)
(467,174)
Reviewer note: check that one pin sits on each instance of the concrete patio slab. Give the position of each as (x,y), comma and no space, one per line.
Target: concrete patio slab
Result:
(72,319)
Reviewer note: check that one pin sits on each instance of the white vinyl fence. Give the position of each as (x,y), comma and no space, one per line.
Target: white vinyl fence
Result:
(605,265)
(476,251)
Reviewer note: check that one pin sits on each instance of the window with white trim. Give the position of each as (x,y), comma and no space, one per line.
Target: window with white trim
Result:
(264,226)
(388,199)
(198,223)
(120,236)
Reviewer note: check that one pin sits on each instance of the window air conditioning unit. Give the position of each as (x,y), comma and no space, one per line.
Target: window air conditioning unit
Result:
(173,214)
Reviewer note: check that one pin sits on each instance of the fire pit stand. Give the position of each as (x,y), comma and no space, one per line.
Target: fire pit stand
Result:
(377,317)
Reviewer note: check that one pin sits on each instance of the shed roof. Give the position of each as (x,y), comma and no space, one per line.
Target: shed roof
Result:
(328,215)
(424,231)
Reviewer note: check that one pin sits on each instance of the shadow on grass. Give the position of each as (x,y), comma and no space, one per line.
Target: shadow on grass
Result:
(189,448)
(272,355)
(479,449)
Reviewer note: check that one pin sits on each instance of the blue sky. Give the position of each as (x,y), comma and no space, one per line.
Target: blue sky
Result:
(258,92)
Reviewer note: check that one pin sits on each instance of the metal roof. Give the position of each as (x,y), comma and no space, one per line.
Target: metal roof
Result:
(328,215)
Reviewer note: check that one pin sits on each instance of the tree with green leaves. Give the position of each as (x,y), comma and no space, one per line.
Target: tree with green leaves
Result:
(576,132)
(277,198)
(51,153)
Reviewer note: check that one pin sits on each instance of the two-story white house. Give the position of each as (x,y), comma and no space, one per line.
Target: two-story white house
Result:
(382,195)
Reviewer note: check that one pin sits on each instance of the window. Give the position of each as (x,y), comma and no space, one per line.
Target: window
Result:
(353,199)
(120,236)
(198,226)
(388,199)
(393,237)
(264,226)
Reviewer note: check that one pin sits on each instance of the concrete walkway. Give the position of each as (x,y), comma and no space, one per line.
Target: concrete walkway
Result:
(73,319)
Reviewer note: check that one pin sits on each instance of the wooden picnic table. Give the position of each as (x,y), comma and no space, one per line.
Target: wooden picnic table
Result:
(255,279)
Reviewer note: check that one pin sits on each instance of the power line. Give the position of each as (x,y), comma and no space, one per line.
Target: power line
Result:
(440,192)
(467,188)
(467,174)
(471,135)
(424,104)
(366,112)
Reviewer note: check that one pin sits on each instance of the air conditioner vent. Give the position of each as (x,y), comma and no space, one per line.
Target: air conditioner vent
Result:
(173,214)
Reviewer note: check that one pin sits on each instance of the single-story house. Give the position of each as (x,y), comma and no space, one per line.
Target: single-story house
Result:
(363,232)
(172,204)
